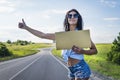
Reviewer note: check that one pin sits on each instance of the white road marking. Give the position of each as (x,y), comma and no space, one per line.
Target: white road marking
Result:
(59,61)
(24,68)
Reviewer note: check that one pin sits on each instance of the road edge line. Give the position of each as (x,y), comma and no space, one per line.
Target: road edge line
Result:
(24,68)
(59,61)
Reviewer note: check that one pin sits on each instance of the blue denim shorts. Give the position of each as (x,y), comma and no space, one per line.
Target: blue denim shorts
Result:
(80,70)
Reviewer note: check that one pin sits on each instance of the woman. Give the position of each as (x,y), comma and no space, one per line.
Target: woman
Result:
(79,70)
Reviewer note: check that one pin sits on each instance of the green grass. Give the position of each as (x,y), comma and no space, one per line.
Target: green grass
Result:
(21,51)
(98,62)
(56,53)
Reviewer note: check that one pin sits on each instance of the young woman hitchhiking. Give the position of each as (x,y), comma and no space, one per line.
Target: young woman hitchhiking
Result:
(78,68)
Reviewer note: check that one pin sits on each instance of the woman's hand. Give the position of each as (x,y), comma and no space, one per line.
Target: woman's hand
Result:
(77,49)
(91,51)
(22,24)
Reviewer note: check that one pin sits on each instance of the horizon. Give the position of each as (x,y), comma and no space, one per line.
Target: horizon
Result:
(47,42)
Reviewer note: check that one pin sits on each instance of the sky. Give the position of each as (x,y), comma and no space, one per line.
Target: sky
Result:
(101,17)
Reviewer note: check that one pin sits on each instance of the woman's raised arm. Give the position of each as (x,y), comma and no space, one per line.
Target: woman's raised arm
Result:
(50,36)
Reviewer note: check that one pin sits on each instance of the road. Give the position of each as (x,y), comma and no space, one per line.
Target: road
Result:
(41,66)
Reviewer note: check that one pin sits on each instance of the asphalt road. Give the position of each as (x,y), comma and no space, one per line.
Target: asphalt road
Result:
(41,66)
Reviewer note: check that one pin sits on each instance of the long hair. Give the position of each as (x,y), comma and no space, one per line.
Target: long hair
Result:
(79,22)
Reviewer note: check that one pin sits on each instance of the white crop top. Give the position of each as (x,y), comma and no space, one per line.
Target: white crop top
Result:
(72,54)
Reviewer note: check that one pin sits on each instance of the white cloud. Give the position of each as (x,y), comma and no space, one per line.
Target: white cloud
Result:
(110,3)
(6,9)
(46,14)
(4,1)
(55,11)
(112,19)
(6,6)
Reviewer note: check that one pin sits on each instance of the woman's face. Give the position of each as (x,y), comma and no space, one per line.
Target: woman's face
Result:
(72,18)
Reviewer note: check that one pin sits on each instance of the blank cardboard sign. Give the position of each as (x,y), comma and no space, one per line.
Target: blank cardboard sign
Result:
(65,40)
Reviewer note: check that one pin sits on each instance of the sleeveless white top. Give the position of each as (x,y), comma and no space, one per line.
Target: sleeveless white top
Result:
(72,54)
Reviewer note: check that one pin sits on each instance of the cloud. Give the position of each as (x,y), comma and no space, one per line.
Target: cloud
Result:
(6,9)
(3,1)
(112,19)
(47,13)
(54,11)
(110,3)
(44,14)
(6,6)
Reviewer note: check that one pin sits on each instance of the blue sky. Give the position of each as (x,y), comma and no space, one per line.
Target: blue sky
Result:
(102,17)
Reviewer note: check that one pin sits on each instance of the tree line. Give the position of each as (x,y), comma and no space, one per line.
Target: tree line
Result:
(20,42)
(4,51)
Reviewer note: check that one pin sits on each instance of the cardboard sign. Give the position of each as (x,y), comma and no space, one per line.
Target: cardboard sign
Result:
(65,40)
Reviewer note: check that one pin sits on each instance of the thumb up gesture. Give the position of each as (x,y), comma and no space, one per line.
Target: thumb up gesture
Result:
(22,24)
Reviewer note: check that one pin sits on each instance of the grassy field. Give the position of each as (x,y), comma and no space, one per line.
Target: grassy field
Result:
(21,51)
(98,62)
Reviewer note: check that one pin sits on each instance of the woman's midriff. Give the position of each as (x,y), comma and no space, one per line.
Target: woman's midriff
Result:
(72,61)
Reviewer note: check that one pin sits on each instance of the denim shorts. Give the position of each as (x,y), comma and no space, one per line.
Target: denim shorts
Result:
(80,70)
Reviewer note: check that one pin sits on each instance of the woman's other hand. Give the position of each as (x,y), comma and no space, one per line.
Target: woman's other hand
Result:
(92,50)
(77,49)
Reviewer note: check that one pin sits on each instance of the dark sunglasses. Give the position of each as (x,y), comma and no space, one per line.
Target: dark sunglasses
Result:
(74,16)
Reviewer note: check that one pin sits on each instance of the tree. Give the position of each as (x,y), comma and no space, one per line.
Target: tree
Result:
(9,42)
(4,51)
(114,54)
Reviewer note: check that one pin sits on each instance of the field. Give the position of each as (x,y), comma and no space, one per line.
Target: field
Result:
(98,62)
(21,51)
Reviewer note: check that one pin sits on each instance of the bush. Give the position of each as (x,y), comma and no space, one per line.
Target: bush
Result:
(110,56)
(116,58)
(114,54)
(4,51)
(9,42)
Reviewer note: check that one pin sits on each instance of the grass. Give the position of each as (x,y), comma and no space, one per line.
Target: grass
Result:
(56,53)
(98,62)
(21,51)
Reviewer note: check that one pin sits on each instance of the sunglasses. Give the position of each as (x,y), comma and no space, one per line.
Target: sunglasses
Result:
(74,16)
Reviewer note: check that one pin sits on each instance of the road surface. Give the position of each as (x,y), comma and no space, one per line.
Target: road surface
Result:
(41,66)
